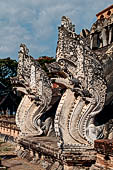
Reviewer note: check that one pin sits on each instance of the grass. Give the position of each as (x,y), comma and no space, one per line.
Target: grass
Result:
(5,147)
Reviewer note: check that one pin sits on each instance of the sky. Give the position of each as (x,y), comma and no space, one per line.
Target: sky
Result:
(35,23)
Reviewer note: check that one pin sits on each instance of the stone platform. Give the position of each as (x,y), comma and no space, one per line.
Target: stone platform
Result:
(38,149)
(44,145)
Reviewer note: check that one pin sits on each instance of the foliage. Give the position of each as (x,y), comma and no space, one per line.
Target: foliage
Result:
(8,68)
(45,59)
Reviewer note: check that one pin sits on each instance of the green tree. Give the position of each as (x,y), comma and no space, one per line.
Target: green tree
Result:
(45,60)
(8,68)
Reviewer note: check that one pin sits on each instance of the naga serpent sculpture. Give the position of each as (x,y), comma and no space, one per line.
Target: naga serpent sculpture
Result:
(86,79)
(33,82)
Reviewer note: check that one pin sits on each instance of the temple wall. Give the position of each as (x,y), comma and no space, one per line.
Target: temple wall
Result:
(106,14)
(9,129)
